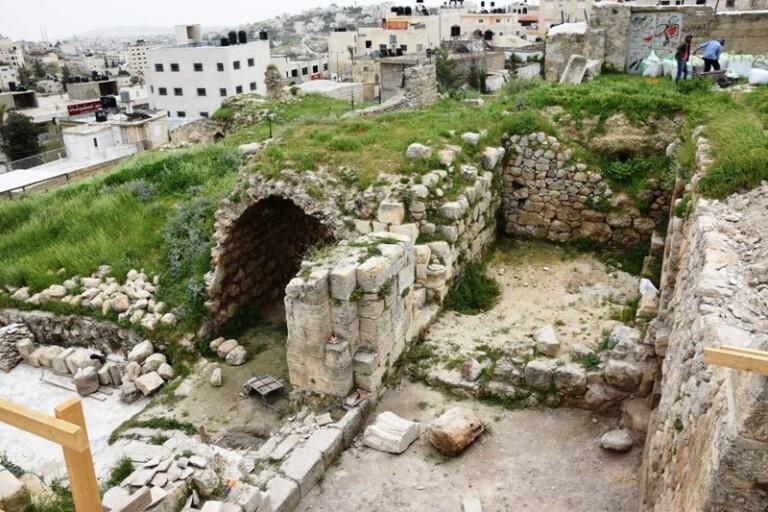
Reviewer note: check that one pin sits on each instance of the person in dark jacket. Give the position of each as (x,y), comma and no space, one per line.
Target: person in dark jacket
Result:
(681,56)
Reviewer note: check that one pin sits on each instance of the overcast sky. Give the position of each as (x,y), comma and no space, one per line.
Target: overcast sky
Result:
(23,19)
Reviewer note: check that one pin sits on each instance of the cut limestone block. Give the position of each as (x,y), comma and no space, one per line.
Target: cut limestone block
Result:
(114,498)
(454,430)
(59,363)
(137,502)
(246,496)
(13,494)
(390,433)
(86,381)
(574,70)
(327,441)
(304,466)
(149,383)
(283,495)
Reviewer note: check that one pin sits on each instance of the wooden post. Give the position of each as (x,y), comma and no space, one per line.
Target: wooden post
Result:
(82,475)
(67,429)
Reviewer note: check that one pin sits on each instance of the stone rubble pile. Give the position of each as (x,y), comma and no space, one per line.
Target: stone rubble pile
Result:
(230,351)
(531,372)
(133,300)
(143,373)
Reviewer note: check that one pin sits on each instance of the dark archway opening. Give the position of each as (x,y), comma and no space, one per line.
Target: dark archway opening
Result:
(264,252)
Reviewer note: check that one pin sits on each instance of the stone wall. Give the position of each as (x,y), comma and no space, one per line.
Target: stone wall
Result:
(420,86)
(546,194)
(72,330)
(707,446)
(607,36)
(202,130)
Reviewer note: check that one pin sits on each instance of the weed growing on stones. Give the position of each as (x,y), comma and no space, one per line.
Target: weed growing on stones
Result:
(473,291)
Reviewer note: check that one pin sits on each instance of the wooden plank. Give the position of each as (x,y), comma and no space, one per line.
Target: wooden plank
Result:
(82,476)
(737,360)
(60,432)
(758,353)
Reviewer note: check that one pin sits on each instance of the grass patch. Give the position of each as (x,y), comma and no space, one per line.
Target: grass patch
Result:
(473,292)
(60,500)
(590,361)
(159,423)
(119,472)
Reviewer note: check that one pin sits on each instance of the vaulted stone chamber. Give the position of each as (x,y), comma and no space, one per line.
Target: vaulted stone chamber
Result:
(263,251)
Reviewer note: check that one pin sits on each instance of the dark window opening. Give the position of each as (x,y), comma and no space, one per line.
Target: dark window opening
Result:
(201,91)
(239,89)
(181,113)
(219,66)
(162,91)
(222,92)
(236,64)
(198,66)
(174,67)
(159,68)
(177,91)
(253,86)
(251,63)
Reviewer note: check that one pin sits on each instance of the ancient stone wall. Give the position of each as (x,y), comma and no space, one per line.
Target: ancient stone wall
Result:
(420,86)
(546,194)
(202,130)
(72,330)
(707,445)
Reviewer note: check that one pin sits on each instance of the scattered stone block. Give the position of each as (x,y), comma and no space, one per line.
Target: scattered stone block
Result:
(391,433)
(141,351)
(129,393)
(225,348)
(86,381)
(246,496)
(25,347)
(471,504)
(623,375)
(418,152)
(206,480)
(137,502)
(454,430)
(13,494)
(48,354)
(131,371)
(471,138)
(546,341)
(539,373)
(152,363)
(571,379)
(149,383)
(198,461)
(105,377)
(304,466)
(636,415)
(574,70)
(114,498)
(285,447)
(216,378)
(237,356)
(471,370)
(165,371)
(80,358)
(618,440)
(59,363)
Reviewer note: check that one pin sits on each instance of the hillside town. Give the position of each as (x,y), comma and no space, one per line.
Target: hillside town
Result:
(442,255)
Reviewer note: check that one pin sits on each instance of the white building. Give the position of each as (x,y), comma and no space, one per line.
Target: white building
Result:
(191,79)
(135,56)
(11,53)
(296,71)
(555,12)
(8,76)
(94,141)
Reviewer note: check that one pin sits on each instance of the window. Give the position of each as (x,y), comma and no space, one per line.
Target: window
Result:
(294,73)
(174,67)
(95,142)
(315,68)
(404,47)
(152,88)
(203,114)
(239,89)
(181,113)
(162,91)
(392,39)
(177,91)
(219,66)
(383,47)
(201,91)
(198,66)
(253,86)
(304,71)
(730,3)
(419,47)
(251,63)
(222,92)
(236,64)
(369,44)
(159,68)
(498,20)
(480,20)
(325,67)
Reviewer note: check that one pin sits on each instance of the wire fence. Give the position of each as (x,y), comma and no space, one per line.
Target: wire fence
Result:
(34,160)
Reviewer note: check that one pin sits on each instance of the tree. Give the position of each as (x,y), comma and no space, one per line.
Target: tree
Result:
(448,77)
(477,76)
(65,74)
(24,76)
(274,81)
(19,137)
(39,69)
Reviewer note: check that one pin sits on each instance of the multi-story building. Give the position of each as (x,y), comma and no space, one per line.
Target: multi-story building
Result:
(11,53)
(555,12)
(135,56)
(296,71)
(190,79)
(9,78)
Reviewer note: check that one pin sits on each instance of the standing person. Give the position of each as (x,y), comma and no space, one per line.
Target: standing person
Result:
(711,55)
(681,56)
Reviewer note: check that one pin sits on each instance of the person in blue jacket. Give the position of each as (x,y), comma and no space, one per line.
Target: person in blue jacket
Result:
(711,56)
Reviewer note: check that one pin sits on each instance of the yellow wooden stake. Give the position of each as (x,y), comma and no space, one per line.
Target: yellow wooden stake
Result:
(67,429)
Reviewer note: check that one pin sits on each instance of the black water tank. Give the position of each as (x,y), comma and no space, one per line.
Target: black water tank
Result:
(12,86)
(232,37)
(101,116)
(408,11)
(242,37)
(455,31)
(224,41)
(263,36)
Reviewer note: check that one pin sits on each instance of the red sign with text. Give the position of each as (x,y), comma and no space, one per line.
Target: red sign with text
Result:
(84,108)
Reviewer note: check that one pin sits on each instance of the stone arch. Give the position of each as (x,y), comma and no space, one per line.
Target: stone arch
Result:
(260,246)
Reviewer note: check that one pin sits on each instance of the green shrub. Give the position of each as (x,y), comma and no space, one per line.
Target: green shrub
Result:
(119,472)
(60,500)
(590,361)
(527,121)
(224,113)
(473,292)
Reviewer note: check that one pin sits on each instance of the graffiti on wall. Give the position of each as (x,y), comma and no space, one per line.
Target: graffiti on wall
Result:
(657,32)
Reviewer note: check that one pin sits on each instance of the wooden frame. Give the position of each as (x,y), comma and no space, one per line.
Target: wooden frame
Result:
(738,358)
(67,429)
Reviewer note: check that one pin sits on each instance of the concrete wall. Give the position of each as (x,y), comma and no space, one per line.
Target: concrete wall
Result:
(707,445)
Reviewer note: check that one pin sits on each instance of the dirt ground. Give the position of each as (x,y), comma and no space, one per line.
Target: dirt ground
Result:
(225,406)
(531,460)
(542,284)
